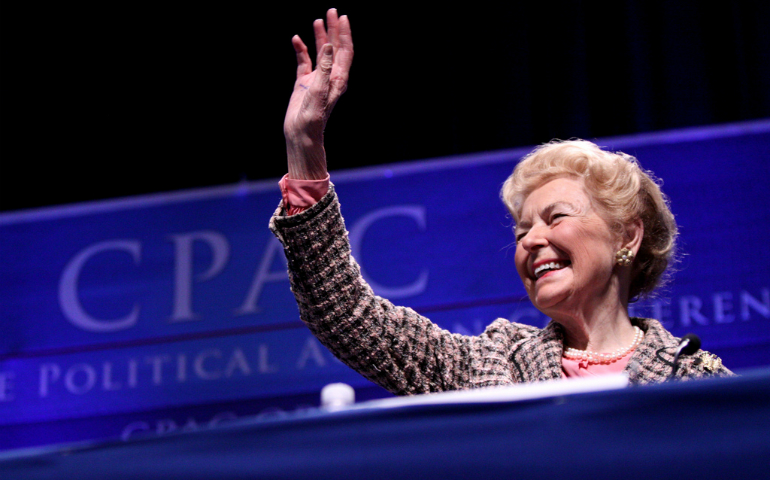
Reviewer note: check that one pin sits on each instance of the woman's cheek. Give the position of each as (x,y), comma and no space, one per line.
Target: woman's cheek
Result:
(520,261)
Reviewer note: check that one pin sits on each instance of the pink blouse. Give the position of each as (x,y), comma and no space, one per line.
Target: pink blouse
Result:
(299,195)
(581,368)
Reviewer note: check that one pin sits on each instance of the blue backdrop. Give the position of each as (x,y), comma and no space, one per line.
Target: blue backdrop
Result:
(167,312)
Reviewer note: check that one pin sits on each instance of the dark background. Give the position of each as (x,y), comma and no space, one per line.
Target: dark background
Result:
(115,99)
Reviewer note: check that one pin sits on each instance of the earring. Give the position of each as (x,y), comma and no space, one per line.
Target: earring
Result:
(624,257)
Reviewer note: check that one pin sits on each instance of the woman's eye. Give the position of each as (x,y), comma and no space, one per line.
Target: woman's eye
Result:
(557,216)
(520,236)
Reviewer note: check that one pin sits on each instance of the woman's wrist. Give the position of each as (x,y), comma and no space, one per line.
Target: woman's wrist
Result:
(306,158)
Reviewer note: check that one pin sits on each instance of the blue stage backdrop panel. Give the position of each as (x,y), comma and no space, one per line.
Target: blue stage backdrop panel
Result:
(156,313)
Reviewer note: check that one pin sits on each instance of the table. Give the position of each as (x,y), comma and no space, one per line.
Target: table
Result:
(714,428)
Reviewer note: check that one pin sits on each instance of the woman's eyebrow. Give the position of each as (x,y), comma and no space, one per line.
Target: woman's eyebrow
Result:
(546,212)
(550,208)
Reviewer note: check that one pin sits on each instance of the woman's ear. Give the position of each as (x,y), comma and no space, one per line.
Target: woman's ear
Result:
(634,235)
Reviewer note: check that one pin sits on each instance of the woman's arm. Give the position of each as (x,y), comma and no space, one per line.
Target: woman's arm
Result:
(392,346)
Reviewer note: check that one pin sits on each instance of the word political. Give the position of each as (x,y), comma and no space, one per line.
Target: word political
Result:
(109,375)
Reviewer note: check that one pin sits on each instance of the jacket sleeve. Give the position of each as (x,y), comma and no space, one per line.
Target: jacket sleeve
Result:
(392,346)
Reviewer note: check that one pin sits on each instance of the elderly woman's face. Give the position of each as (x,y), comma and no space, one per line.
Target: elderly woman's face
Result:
(565,250)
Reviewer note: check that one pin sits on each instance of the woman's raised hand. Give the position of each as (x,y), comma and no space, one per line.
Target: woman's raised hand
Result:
(316,91)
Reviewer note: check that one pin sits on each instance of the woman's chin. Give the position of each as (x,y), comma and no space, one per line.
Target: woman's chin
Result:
(546,300)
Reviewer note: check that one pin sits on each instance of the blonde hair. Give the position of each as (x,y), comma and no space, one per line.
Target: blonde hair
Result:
(621,190)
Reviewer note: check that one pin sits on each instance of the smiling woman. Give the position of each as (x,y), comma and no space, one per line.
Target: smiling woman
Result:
(593,232)
(577,208)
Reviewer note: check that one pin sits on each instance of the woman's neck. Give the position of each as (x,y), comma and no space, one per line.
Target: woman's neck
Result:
(601,334)
(600,326)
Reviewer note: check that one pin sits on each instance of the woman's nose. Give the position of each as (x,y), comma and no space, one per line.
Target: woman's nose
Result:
(534,239)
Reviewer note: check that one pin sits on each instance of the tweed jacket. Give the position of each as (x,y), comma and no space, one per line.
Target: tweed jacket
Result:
(405,352)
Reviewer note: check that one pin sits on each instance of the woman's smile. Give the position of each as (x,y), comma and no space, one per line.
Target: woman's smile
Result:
(544,267)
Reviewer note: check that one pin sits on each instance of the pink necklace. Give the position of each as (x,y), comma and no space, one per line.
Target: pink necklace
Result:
(596,357)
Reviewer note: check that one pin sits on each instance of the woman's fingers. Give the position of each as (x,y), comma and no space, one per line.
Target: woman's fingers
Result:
(319,100)
(321,38)
(337,33)
(344,37)
(332,26)
(343,57)
(304,65)
(318,90)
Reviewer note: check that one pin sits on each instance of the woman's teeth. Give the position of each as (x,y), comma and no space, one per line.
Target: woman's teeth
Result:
(547,267)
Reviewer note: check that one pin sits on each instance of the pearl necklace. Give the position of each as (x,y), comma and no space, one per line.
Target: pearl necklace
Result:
(595,357)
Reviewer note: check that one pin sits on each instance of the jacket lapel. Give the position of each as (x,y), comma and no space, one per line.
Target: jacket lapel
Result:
(539,357)
(653,358)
